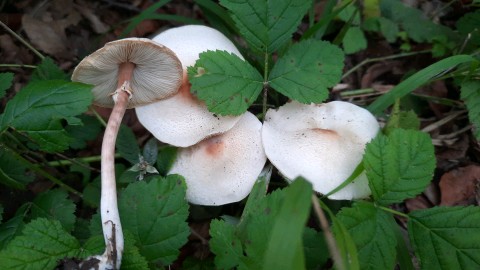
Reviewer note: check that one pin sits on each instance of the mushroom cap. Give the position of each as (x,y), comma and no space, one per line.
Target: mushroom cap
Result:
(223,169)
(157,74)
(324,143)
(183,120)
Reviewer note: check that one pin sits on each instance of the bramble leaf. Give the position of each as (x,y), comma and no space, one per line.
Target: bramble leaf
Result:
(306,71)
(225,244)
(267,25)
(13,172)
(127,145)
(39,108)
(42,243)
(227,84)
(316,249)
(446,237)
(470,94)
(155,213)
(371,230)
(54,205)
(354,40)
(399,166)
(470,24)
(81,134)
(10,229)
(6,79)
(165,159)
(48,70)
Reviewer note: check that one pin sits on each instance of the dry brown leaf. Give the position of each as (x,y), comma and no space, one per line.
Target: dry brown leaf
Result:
(459,186)
(97,25)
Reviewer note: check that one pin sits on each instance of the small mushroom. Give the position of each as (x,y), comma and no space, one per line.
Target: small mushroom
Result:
(223,169)
(183,120)
(125,73)
(322,142)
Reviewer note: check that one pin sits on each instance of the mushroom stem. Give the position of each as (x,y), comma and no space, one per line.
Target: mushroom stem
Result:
(112,228)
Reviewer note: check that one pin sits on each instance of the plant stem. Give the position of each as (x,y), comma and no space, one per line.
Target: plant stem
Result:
(370,60)
(393,211)
(99,118)
(332,245)
(265,86)
(16,66)
(67,162)
(23,41)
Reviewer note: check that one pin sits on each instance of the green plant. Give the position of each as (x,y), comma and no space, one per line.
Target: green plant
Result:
(275,229)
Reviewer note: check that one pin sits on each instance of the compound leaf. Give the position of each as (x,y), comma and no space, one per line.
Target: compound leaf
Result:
(226,83)
(13,172)
(470,94)
(446,237)
(399,166)
(54,205)
(155,213)
(48,70)
(42,243)
(38,109)
(225,244)
(371,230)
(306,71)
(267,25)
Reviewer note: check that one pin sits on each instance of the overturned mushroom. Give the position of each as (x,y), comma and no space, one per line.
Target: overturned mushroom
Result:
(125,73)
(222,169)
(183,120)
(323,143)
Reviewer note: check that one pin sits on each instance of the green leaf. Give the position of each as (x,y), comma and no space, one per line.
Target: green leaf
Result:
(225,244)
(226,83)
(306,71)
(354,40)
(13,172)
(42,243)
(285,248)
(446,237)
(165,159)
(373,234)
(470,24)
(156,214)
(470,94)
(389,29)
(38,109)
(10,229)
(127,145)
(1,214)
(91,193)
(267,25)
(81,134)
(417,80)
(399,166)
(6,80)
(48,70)
(315,247)
(150,151)
(54,205)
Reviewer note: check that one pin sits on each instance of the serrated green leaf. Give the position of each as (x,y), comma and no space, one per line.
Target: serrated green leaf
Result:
(81,134)
(399,166)
(389,29)
(373,234)
(155,213)
(306,71)
(267,25)
(315,247)
(354,40)
(403,120)
(226,83)
(54,205)
(225,244)
(6,80)
(470,94)
(48,70)
(127,145)
(165,159)
(446,237)
(13,172)
(10,229)
(150,151)
(285,248)
(91,193)
(42,243)
(37,110)
(416,80)
(470,24)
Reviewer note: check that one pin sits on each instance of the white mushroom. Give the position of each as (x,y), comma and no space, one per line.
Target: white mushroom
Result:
(125,73)
(223,169)
(183,120)
(323,143)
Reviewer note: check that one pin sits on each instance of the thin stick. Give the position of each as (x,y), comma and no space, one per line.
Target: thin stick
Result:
(331,243)
(22,40)
(17,66)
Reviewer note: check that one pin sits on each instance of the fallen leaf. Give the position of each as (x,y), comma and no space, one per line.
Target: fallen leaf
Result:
(97,25)
(459,186)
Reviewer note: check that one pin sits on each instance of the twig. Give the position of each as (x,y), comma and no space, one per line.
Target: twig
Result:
(17,66)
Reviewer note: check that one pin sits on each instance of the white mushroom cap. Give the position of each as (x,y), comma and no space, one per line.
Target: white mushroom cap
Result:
(324,143)
(223,169)
(183,120)
(157,74)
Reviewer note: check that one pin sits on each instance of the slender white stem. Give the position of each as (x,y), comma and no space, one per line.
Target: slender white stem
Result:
(112,228)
